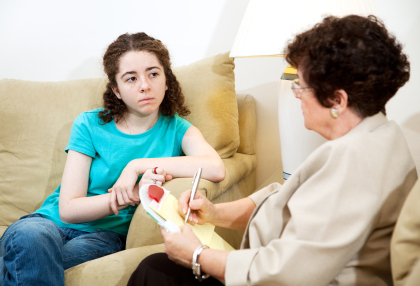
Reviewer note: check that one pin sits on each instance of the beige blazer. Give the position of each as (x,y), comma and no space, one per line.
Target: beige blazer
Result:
(331,222)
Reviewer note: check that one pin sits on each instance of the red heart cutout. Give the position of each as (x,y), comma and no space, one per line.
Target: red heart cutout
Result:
(155,192)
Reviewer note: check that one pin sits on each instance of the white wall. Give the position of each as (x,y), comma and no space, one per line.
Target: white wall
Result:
(48,40)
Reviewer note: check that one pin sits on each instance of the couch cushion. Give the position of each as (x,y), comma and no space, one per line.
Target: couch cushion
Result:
(35,123)
(36,118)
(209,89)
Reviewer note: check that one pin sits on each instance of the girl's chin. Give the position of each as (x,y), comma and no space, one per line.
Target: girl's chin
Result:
(148,111)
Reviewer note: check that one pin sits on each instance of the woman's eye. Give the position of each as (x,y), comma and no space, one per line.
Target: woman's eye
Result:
(131,79)
(153,74)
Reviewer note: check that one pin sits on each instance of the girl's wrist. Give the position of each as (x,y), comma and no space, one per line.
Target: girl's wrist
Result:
(134,167)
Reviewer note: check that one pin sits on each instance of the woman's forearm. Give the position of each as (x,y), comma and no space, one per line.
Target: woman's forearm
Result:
(213,262)
(233,215)
(183,166)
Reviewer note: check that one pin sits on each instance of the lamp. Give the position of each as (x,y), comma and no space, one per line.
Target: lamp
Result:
(264,32)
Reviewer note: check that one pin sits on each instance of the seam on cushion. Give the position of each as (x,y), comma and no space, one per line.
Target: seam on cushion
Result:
(12,203)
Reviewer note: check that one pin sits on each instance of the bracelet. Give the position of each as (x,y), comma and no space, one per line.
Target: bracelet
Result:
(196,266)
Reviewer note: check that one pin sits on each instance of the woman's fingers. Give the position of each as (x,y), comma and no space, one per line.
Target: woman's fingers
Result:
(183,202)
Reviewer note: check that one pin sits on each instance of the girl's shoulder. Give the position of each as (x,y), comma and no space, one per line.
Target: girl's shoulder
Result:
(89,117)
(176,121)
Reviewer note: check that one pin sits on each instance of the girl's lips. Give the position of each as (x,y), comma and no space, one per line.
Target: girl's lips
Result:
(146,99)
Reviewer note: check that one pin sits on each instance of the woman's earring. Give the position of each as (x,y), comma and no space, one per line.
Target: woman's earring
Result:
(334,113)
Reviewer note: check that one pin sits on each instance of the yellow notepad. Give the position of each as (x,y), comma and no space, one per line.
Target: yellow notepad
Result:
(204,232)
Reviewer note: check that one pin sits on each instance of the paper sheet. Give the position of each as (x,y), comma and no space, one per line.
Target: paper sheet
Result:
(205,232)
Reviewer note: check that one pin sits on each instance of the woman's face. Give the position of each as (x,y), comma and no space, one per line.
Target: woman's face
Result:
(141,83)
(316,116)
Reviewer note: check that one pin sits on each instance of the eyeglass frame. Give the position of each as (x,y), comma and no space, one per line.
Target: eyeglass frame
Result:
(297,90)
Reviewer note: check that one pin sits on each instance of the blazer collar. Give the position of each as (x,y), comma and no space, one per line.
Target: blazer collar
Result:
(369,124)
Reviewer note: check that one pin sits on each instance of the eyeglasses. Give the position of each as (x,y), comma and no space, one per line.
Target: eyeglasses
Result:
(297,89)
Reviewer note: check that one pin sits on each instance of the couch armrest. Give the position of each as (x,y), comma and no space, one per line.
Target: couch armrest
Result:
(405,242)
(145,231)
(247,121)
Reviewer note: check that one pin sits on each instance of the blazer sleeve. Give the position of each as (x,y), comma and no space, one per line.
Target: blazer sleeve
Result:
(331,215)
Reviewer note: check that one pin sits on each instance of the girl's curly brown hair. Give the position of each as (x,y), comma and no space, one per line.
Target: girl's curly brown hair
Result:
(114,108)
(353,53)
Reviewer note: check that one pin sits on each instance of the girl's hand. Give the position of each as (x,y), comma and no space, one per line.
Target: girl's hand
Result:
(113,202)
(124,193)
(202,210)
(150,177)
(180,246)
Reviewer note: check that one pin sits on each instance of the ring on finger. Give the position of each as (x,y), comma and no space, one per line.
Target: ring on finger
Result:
(154,181)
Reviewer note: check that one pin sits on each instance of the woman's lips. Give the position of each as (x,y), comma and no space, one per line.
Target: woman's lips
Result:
(146,99)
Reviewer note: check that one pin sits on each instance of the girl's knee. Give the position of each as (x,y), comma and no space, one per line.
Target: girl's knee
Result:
(33,230)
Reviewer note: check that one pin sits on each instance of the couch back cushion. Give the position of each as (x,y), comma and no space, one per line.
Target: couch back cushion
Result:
(36,119)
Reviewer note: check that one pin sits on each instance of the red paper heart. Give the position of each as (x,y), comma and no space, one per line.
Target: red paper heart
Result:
(155,192)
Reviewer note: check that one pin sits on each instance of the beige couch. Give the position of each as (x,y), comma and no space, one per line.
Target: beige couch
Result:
(35,123)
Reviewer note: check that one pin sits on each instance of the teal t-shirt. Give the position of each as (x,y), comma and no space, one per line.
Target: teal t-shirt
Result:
(111,150)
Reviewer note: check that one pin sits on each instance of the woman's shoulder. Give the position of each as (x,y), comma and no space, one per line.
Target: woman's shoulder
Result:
(369,145)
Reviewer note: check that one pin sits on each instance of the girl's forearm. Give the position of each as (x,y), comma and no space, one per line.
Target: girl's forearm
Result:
(86,209)
(183,166)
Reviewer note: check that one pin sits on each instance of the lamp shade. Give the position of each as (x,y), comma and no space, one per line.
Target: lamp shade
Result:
(269,24)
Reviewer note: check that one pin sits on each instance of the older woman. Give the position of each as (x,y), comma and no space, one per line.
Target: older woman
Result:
(331,222)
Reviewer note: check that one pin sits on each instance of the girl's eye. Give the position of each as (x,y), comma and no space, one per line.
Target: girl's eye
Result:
(131,79)
(153,74)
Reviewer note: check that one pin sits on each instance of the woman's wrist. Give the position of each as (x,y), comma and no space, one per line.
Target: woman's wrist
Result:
(216,215)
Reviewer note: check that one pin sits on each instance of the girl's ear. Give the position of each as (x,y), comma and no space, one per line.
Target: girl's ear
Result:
(116,92)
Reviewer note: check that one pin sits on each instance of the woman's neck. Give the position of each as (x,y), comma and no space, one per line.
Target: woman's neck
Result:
(343,124)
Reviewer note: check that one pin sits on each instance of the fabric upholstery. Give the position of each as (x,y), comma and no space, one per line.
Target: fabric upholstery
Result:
(405,243)
(111,270)
(247,119)
(209,88)
(35,123)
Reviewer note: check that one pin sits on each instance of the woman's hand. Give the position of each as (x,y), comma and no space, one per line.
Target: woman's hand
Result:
(202,210)
(180,246)
(124,193)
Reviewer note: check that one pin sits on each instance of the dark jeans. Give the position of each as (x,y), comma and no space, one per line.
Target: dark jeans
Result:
(36,251)
(158,269)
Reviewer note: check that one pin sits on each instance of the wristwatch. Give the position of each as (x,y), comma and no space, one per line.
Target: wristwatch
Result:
(196,266)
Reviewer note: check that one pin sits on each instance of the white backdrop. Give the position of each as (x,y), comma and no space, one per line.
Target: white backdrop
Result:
(48,40)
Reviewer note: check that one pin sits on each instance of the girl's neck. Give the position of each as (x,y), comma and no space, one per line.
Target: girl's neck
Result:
(132,124)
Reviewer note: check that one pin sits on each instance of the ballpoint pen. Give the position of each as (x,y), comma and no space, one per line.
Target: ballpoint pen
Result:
(195,183)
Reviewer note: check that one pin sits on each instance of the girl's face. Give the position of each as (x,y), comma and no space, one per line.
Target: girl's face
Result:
(141,83)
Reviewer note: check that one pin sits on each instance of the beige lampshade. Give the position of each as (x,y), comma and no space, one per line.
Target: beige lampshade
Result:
(269,24)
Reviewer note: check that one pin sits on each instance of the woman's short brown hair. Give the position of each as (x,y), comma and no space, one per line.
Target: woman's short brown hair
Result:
(353,53)
(172,103)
